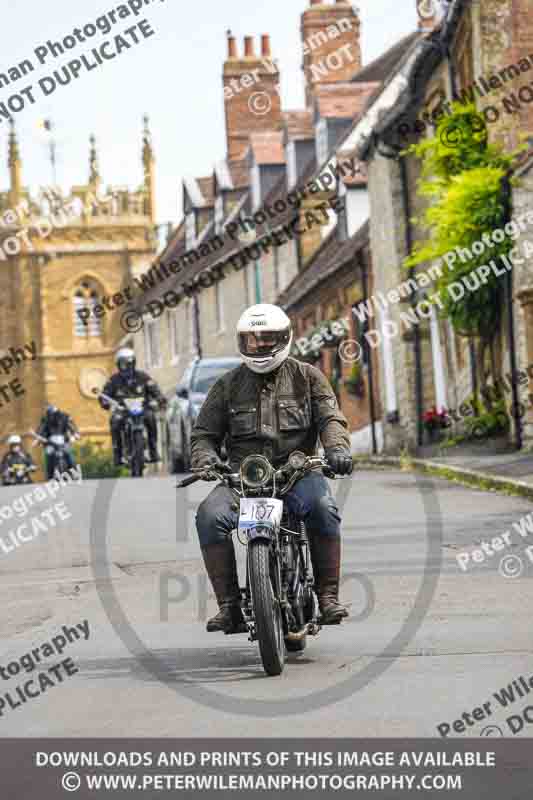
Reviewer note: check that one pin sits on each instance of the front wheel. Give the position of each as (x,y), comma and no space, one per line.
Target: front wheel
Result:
(137,455)
(267,612)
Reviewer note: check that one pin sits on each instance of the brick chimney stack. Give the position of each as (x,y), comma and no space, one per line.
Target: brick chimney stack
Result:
(331,44)
(251,98)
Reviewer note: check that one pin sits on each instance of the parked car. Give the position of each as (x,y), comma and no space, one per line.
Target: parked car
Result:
(185,404)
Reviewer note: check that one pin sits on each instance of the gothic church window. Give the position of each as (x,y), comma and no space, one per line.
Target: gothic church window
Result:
(86,297)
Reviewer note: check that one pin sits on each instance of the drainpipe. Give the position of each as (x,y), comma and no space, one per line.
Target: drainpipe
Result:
(508,290)
(368,356)
(419,388)
(196,317)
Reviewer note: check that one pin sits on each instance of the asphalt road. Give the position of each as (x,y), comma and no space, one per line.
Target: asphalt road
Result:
(425,642)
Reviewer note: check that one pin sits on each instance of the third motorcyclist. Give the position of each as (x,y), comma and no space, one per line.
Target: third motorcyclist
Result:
(272,404)
(131,382)
(58,423)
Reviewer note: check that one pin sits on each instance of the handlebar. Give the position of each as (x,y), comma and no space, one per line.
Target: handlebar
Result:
(313,462)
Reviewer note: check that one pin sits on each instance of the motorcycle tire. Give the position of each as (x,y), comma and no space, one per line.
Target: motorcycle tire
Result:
(60,466)
(137,456)
(267,613)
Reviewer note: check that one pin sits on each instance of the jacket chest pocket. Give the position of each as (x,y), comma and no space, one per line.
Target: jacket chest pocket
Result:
(243,421)
(293,414)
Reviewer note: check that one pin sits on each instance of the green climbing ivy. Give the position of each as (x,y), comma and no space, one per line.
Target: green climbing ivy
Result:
(462,175)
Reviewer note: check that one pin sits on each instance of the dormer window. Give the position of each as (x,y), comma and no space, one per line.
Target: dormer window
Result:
(321,141)
(190,230)
(292,169)
(219,213)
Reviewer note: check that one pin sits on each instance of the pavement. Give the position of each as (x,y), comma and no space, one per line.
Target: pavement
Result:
(426,641)
(494,464)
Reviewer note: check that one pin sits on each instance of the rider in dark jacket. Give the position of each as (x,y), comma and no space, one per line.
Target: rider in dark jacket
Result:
(58,423)
(271,405)
(130,382)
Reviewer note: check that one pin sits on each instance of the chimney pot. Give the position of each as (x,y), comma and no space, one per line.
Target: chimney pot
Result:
(265,45)
(232,46)
(249,46)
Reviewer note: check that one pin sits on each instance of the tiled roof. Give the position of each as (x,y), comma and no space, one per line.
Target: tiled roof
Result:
(206,186)
(381,67)
(329,258)
(175,246)
(239,174)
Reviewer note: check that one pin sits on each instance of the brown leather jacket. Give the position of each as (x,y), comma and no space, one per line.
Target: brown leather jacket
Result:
(270,414)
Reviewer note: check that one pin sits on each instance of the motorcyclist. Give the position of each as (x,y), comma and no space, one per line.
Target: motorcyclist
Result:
(272,404)
(130,382)
(58,423)
(16,455)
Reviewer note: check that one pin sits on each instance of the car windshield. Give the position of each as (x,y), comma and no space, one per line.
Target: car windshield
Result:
(205,377)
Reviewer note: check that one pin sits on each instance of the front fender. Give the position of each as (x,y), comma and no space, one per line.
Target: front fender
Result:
(260,532)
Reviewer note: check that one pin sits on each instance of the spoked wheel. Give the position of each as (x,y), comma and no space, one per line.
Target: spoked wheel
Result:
(267,611)
(137,456)
(296,645)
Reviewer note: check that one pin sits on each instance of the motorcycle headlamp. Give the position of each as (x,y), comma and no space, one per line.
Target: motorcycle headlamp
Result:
(256,471)
(297,459)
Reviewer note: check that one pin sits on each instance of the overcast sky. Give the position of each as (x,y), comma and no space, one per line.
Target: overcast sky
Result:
(174,76)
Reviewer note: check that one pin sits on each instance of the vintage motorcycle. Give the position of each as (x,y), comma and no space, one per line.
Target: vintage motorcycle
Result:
(56,447)
(133,430)
(17,474)
(278,602)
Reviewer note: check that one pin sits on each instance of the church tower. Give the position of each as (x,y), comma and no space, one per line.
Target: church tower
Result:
(60,255)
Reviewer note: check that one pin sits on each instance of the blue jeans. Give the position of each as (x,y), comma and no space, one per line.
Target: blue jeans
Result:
(310,500)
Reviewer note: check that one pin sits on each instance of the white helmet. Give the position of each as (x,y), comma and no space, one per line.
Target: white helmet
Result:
(125,360)
(264,337)
(14,440)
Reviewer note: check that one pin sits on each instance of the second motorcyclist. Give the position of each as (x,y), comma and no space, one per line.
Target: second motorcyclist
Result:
(131,382)
(271,405)
(58,423)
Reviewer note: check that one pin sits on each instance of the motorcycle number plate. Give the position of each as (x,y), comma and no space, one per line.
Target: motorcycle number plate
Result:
(134,404)
(259,513)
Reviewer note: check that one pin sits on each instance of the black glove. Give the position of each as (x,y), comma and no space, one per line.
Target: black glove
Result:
(340,461)
(210,463)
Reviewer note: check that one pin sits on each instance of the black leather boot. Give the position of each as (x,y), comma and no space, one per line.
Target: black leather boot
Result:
(221,567)
(326,558)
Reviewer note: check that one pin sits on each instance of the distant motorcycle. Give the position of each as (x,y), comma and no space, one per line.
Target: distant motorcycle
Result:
(17,474)
(132,430)
(56,451)
(279,603)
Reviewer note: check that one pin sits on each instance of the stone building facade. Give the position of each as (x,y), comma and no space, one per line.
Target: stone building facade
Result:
(62,255)
(466,53)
